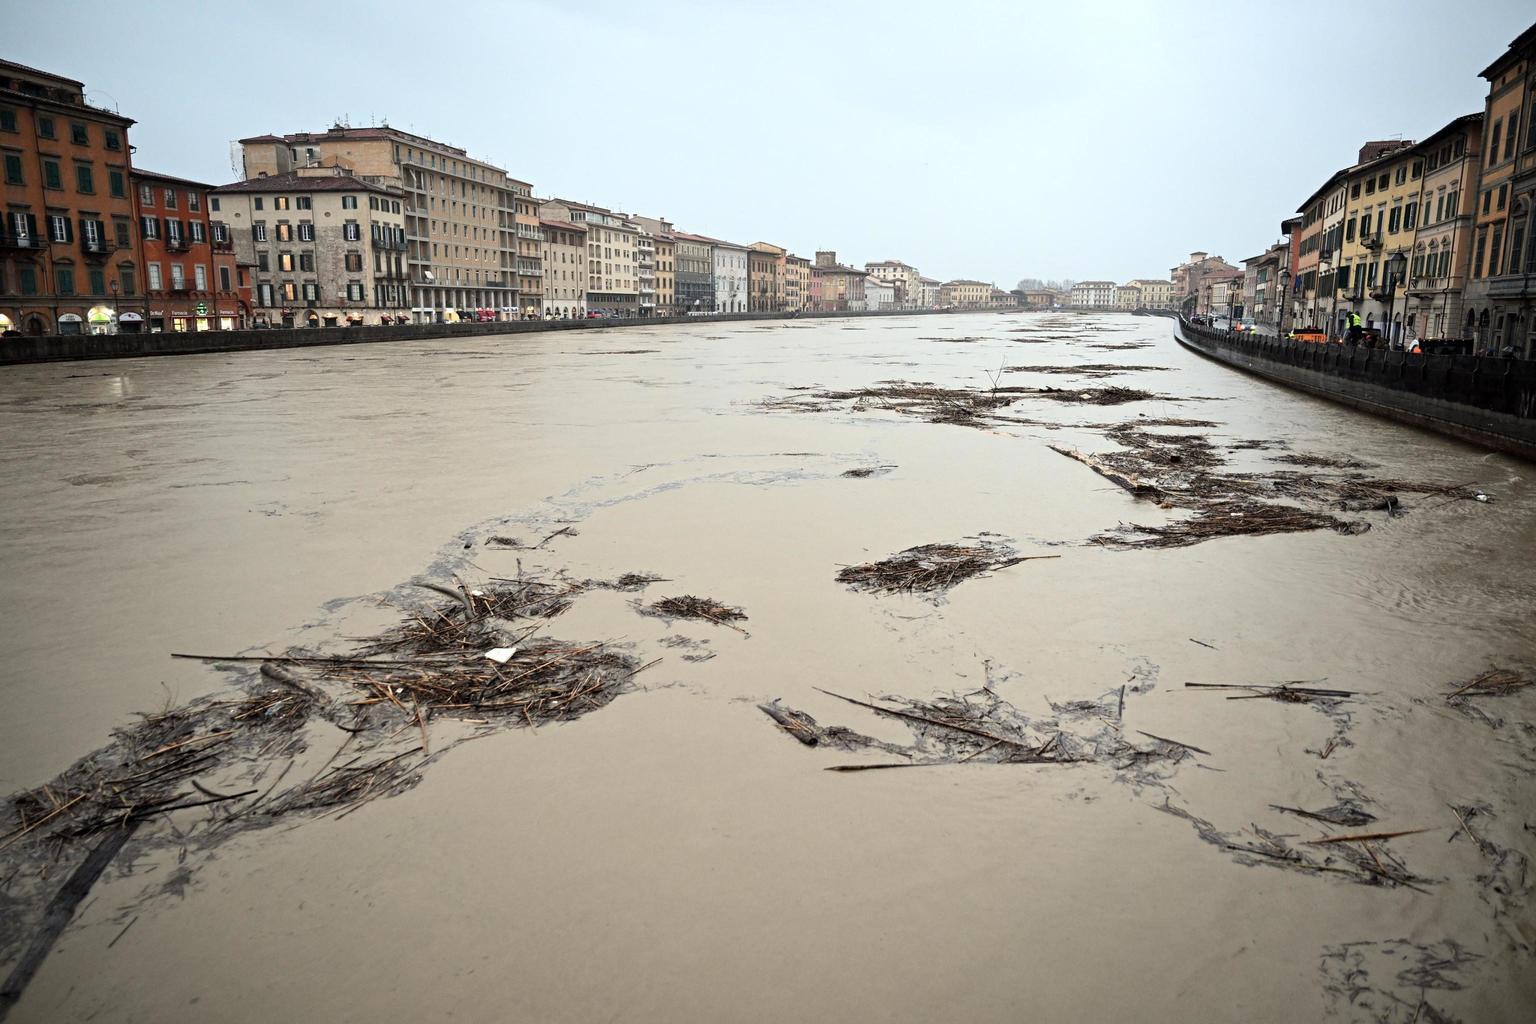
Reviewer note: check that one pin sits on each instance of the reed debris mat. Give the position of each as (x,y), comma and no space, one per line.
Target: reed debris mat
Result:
(931,568)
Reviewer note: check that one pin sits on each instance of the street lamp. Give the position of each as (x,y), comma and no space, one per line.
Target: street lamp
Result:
(1282,300)
(1396,266)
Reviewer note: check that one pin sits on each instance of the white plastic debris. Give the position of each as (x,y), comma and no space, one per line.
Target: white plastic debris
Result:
(1481,496)
(501,655)
(477,593)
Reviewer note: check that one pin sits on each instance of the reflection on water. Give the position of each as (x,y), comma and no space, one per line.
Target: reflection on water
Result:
(675,857)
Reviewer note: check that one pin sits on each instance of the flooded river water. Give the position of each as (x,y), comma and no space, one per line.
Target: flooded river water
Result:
(674,856)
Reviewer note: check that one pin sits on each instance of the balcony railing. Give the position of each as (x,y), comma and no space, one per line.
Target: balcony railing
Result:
(1372,242)
(181,244)
(26,242)
(99,247)
(223,245)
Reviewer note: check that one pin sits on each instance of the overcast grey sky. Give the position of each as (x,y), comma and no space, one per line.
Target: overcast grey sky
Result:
(975,139)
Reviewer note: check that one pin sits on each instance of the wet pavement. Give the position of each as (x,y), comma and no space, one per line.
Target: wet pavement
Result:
(675,856)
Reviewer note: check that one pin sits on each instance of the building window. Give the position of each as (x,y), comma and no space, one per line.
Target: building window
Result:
(178,277)
(307,262)
(98,279)
(355,291)
(78,135)
(170,199)
(259,231)
(213,204)
(264,294)
(64,280)
(351,231)
(306,231)
(85,181)
(146,196)
(200,277)
(52,176)
(13,174)
(59,228)
(117,184)
(224,279)
(262,261)
(26,280)
(304,203)
(193,203)
(195,227)
(285,262)
(256,202)
(311,291)
(355,261)
(8,121)
(124,240)
(279,202)
(149,227)
(349,202)
(290,291)
(125,279)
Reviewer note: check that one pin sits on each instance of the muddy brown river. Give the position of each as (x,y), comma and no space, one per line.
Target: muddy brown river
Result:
(674,856)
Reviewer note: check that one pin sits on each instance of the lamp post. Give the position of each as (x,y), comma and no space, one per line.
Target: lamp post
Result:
(114,307)
(1283,299)
(1396,265)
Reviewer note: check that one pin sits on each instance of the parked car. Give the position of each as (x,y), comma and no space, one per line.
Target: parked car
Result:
(1245,326)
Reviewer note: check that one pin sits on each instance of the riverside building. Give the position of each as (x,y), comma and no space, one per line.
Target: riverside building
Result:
(327,247)
(69,255)
(460,212)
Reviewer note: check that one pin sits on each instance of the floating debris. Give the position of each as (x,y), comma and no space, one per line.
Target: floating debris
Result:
(1225,519)
(970,407)
(1086,369)
(932,567)
(1315,461)
(220,765)
(691,607)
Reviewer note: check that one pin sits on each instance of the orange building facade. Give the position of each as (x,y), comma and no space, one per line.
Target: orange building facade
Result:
(191,280)
(67,243)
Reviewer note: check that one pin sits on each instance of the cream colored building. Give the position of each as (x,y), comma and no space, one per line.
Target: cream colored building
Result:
(965,294)
(797,283)
(613,254)
(1155,293)
(1127,297)
(326,246)
(527,266)
(460,212)
(563,254)
(932,288)
(908,282)
(766,266)
(657,252)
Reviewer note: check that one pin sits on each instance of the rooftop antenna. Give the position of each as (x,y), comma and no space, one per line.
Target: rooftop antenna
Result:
(101,92)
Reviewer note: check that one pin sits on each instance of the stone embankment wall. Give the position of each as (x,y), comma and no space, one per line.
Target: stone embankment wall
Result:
(56,348)
(1490,402)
